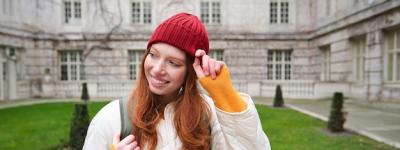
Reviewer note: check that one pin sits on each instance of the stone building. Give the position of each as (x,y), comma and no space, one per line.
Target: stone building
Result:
(310,47)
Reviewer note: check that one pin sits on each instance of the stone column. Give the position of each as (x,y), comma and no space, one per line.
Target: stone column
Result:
(12,80)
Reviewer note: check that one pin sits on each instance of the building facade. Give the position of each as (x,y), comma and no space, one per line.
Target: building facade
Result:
(312,48)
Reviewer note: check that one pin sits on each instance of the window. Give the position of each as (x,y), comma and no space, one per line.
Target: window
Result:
(4,71)
(392,63)
(328,7)
(279,12)
(72,11)
(141,12)
(210,12)
(279,65)
(326,63)
(134,63)
(358,48)
(8,7)
(71,65)
(217,54)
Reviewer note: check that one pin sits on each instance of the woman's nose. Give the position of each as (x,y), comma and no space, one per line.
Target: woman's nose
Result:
(158,68)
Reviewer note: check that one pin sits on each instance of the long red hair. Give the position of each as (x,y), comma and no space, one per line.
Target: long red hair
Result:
(191,112)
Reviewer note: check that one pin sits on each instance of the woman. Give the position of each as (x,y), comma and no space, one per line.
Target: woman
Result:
(170,112)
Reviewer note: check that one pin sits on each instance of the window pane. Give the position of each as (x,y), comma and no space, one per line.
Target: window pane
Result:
(284,12)
(147,12)
(288,56)
(397,40)
(273,12)
(82,73)
(278,72)
(67,11)
(398,67)
(216,12)
(64,72)
(390,67)
(134,63)
(63,57)
(269,72)
(135,12)
(390,39)
(278,57)
(270,56)
(287,71)
(73,56)
(73,72)
(204,12)
(77,8)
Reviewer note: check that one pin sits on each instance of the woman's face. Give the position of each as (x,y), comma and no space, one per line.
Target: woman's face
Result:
(165,69)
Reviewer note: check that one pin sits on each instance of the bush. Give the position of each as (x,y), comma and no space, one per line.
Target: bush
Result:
(85,93)
(336,118)
(79,126)
(278,100)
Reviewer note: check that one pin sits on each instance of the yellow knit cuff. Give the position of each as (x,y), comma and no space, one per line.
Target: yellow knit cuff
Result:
(222,92)
(112,147)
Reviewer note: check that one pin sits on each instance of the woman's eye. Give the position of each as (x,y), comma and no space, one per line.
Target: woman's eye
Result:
(173,63)
(151,54)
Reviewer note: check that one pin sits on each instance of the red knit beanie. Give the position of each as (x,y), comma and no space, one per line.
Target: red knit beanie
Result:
(184,31)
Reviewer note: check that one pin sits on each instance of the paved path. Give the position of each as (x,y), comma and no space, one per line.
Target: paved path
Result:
(379,120)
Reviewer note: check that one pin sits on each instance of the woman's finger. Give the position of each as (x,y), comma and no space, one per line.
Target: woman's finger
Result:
(197,68)
(211,63)
(218,66)
(200,53)
(116,140)
(205,65)
(129,139)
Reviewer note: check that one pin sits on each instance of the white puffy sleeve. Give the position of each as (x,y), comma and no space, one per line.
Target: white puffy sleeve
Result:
(102,128)
(237,131)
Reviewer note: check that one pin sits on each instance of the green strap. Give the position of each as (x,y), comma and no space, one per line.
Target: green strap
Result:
(126,124)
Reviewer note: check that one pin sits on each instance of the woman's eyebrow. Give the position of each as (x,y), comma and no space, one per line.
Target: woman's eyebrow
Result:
(152,48)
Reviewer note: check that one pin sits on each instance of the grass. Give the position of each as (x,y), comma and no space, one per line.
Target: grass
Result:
(39,126)
(44,126)
(288,130)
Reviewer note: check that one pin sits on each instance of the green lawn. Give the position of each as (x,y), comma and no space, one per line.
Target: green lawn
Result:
(290,130)
(44,126)
(37,127)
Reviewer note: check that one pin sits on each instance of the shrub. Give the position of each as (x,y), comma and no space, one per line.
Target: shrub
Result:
(85,93)
(278,100)
(79,126)
(336,117)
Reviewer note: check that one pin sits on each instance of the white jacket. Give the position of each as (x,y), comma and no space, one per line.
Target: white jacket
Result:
(229,131)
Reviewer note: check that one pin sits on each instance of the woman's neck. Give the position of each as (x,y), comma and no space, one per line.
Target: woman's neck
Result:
(166,99)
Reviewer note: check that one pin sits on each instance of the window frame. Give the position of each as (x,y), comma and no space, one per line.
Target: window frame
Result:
(358,49)
(75,18)
(212,12)
(136,62)
(217,54)
(326,63)
(79,63)
(145,14)
(392,57)
(274,60)
(281,16)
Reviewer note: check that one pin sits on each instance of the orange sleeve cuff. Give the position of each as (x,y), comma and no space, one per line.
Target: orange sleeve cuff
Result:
(112,147)
(222,92)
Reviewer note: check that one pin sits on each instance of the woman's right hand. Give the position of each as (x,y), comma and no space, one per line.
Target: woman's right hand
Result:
(128,143)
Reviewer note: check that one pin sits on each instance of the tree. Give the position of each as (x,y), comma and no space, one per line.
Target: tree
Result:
(79,126)
(85,93)
(336,118)
(278,100)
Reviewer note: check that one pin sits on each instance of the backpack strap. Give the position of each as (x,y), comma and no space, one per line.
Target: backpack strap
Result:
(126,123)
